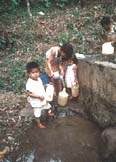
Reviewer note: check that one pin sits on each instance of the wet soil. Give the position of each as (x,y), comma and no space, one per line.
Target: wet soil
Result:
(66,139)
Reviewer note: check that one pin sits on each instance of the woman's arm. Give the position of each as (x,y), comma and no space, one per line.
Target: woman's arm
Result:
(49,66)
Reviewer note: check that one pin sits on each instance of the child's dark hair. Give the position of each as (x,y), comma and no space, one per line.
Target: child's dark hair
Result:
(74,59)
(31,65)
(63,59)
(67,49)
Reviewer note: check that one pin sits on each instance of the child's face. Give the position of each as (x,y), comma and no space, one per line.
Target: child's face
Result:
(34,73)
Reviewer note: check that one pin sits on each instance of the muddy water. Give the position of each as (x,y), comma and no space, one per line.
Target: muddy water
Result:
(67,139)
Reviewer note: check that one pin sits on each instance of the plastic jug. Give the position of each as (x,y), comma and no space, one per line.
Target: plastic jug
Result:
(56,75)
(107,48)
(63,97)
(49,92)
(75,89)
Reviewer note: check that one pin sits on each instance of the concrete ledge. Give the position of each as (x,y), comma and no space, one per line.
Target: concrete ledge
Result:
(97,81)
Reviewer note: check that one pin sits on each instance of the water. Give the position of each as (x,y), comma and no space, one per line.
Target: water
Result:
(66,139)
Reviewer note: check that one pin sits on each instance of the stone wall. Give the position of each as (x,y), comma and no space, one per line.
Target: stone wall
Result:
(98,90)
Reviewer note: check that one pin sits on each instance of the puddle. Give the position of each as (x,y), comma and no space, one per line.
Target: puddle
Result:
(69,138)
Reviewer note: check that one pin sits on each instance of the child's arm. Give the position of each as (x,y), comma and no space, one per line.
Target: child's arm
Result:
(75,71)
(34,95)
(62,70)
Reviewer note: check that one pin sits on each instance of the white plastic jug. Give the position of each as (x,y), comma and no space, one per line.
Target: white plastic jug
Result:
(75,89)
(56,75)
(63,97)
(49,92)
(107,48)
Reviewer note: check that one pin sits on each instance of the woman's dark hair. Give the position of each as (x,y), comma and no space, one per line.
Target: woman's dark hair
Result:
(67,49)
(31,65)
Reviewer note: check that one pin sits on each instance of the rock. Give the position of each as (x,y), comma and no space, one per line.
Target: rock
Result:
(41,13)
(79,56)
(3,152)
(11,138)
(15,117)
(26,112)
(109,143)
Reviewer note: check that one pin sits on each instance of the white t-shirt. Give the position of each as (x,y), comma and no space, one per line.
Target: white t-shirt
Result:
(36,87)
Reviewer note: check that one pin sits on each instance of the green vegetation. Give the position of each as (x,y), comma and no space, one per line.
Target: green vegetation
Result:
(23,39)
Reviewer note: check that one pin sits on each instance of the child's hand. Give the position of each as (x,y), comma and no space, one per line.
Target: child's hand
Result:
(41,98)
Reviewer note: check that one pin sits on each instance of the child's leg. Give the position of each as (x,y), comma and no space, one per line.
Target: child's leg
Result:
(54,107)
(37,120)
(49,110)
(50,113)
(68,91)
(39,124)
(37,114)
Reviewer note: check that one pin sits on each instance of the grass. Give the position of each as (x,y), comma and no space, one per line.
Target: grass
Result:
(30,39)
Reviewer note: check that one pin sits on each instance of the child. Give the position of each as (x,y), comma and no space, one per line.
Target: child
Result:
(109,29)
(57,52)
(35,91)
(71,74)
(107,24)
(109,36)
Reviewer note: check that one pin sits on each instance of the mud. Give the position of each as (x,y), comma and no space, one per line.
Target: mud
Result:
(66,139)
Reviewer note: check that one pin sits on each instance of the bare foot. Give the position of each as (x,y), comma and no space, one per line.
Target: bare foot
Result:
(41,125)
(50,114)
